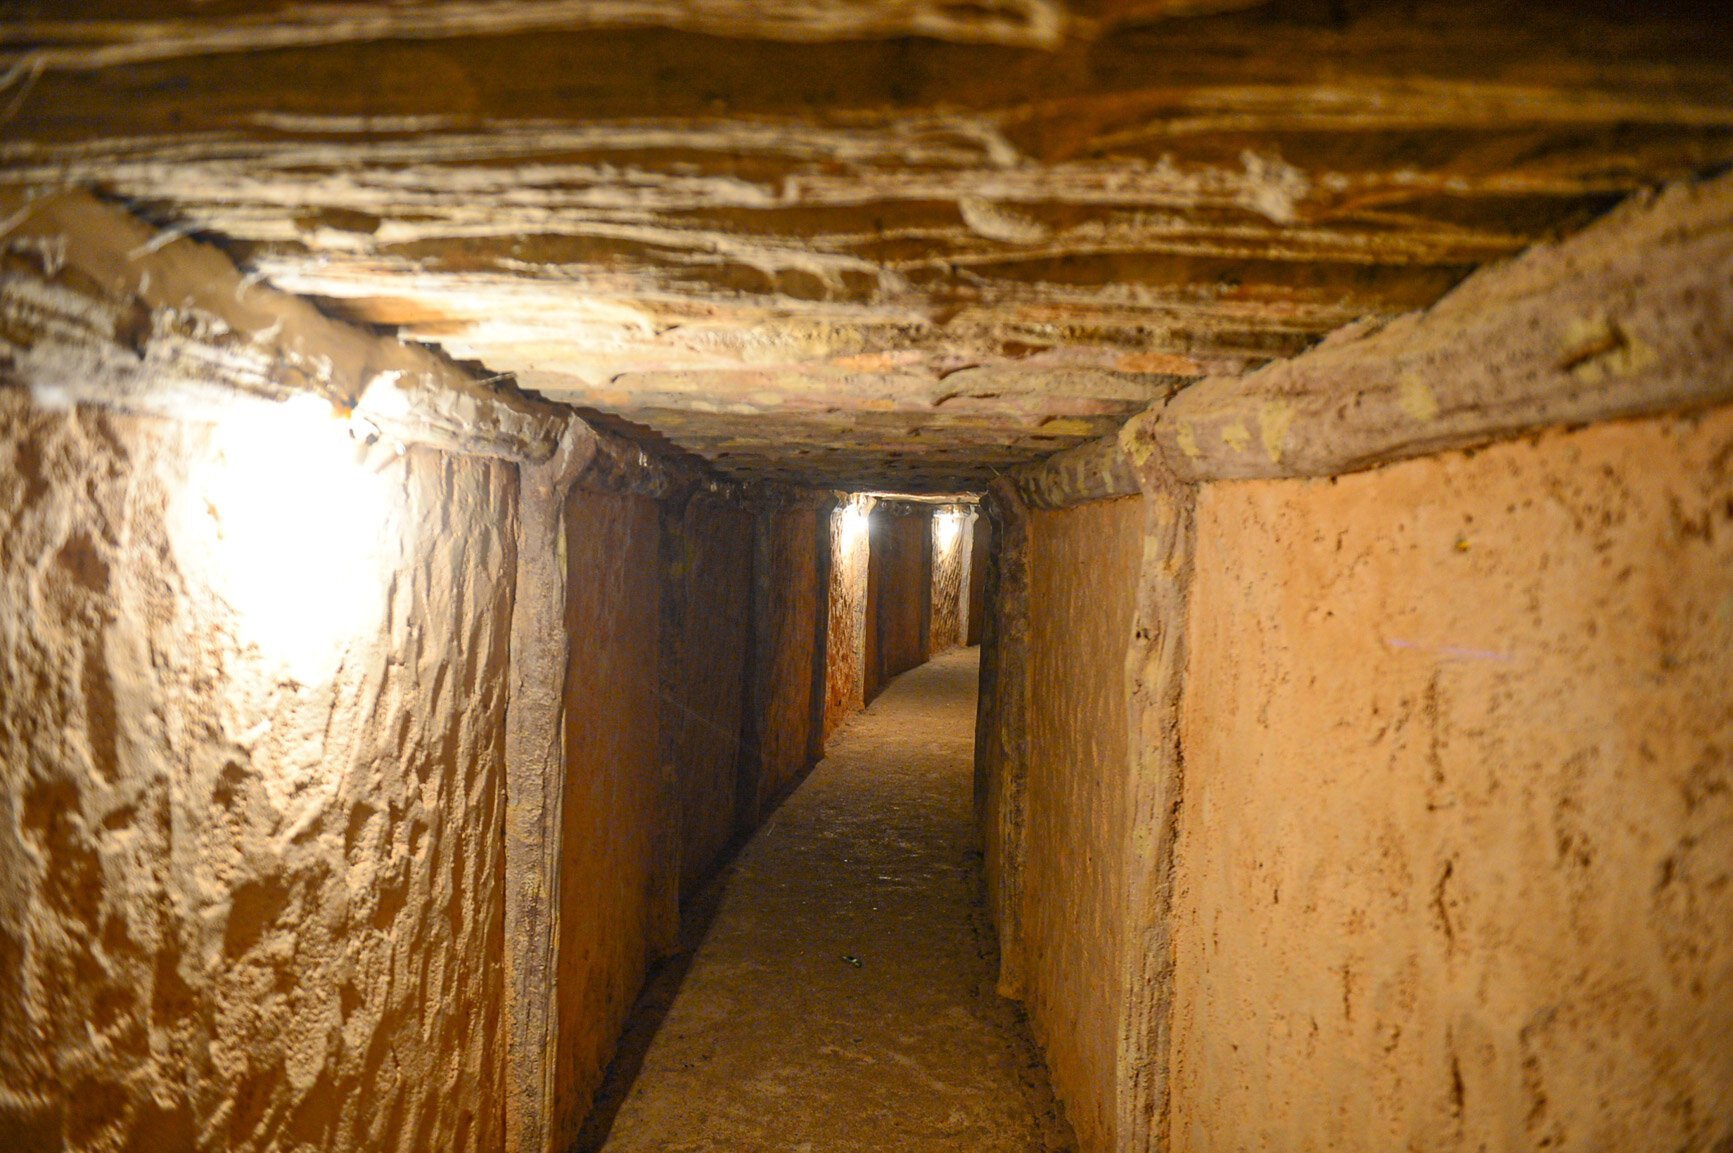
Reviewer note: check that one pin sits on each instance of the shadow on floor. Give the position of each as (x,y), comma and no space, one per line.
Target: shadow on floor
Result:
(661,986)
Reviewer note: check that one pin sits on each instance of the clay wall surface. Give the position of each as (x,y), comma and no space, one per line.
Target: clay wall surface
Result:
(707,560)
(1001,729)
(1457,826)
(1083,568)
(980,546)
(871,661)
(792,624)
(845,648)
(251,781)
(899,597)
(615,898)
(950,550)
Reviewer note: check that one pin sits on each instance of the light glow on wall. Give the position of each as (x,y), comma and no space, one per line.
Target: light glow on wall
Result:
(947,527)
(853,522)
(291,527)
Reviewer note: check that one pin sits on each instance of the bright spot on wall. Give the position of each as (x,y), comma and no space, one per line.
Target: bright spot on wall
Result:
(947,527)
(292,529)
(853,522)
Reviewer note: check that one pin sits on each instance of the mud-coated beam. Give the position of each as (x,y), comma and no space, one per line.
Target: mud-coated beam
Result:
(98,307)
(1098,470)
(535,747)
(1630,317)
(1155,684)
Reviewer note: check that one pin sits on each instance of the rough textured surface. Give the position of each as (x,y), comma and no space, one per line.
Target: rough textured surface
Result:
(779,1039)
(950,552)
(886,262)
(1155,674)
(1457,851)
(250,790)
(1633,316)
(617,896)
(845,638)
(899,591)
(1002,727)
(980,547)
(1083,565)
(249,25)
(790,629)
(97,305)
(1098,470)
(708,566)
(535,757)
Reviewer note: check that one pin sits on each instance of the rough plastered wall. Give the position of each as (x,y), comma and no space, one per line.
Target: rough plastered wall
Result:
(845,638)
(616,899)
(251,731)
(793,607)
(706,610)
(899,591)
(1456,868)
(950,551)
(1083,568)
(980,547)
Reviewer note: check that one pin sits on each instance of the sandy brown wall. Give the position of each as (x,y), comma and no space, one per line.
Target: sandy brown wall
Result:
(616,898)
(899,591)
(845,640)
(250,789)
(1083,569)
(791,611)
(980,546)
(950,552)
(1456,868)
(707,596)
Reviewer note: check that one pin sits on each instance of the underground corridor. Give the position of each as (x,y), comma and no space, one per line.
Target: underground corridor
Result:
(704,576)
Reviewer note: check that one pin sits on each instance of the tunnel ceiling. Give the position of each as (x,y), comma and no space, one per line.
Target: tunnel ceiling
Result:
(866,242)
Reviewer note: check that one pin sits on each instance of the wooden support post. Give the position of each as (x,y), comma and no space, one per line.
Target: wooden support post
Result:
(535,767)
(1155,683)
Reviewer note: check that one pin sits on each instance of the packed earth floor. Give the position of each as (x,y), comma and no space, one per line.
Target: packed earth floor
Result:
(843,998)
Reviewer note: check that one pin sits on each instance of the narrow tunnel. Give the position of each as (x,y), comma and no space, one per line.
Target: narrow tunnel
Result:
(1123,576)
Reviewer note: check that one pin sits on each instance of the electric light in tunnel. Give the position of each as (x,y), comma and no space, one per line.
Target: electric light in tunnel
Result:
(947,527)
(290,526)
(853,525)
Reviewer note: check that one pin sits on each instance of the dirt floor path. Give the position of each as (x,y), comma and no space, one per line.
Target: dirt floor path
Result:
(843,997)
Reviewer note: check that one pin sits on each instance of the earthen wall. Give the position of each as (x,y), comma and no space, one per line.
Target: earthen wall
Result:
(792,626)
(950,566)
(1083,566)
(707,567)
(980,546)
(899,597)
(845,641)
(1457,827)
(251,788)
(616,897)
